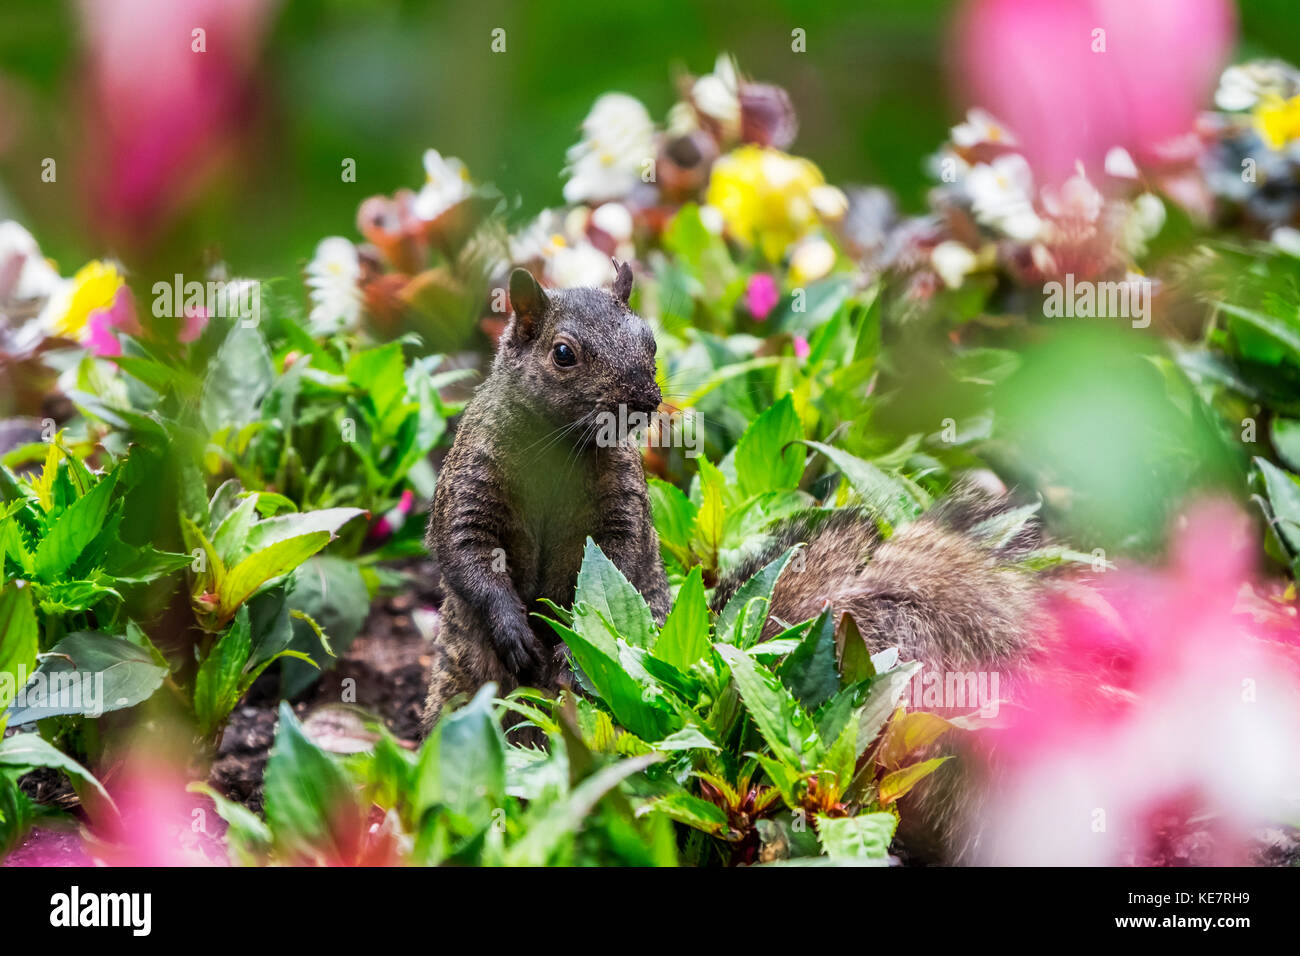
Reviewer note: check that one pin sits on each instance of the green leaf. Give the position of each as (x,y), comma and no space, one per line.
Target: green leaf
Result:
(886,496)
(627,699)
(865,837)
(1284,498)
(217,686)
(283,527)
(311,806)
(809,672)
(472,759)
(74,529)
(244,579)
(238,377)
(674,517)
(18,638)
(603,588)
(693,811)
(565,817)
(757,589)
(767,458)
(31,750)
(780,719)
(685,635)
(896,784)
(90,673)
(886,690)
(855,659)
(1286,439)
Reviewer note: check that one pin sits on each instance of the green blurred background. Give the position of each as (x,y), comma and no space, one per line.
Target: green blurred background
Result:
(380,82)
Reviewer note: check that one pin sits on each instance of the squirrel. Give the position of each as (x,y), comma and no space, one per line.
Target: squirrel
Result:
(526,483)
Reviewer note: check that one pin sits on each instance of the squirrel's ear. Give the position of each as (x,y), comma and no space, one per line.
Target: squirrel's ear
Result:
(528,302)
(622,282)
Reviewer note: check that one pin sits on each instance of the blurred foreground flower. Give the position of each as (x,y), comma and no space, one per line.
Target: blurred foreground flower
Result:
(1163,724)
(1129,73)
(168,91)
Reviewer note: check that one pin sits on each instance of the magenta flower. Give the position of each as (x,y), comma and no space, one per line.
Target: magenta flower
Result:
(1073,78)
(168,90)
(802,348)
(102,325)
(1161,723)
(761,296)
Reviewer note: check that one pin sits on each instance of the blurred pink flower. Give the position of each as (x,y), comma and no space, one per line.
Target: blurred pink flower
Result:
(167,94)
(1163,696)
(802,347)
(193,322)
(103,324)
(1074,78)
(158,823)
(394,518)
(761,295)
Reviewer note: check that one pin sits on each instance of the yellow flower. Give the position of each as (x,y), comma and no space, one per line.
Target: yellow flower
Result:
(93,287)
(769,198)
(1278,120)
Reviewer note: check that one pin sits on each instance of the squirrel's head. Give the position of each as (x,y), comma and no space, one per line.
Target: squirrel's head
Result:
(573,353)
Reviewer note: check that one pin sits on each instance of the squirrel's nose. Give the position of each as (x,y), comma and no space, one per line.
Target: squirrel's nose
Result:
(646,399)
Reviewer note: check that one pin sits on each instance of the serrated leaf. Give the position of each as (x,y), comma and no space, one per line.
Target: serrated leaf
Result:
(685,635)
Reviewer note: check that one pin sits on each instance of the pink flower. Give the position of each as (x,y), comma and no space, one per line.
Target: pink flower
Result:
(193,322)
(761,296)
(1163,718)
(801,347)
(1074,78)
(168,91)
(103,324)
(394,518)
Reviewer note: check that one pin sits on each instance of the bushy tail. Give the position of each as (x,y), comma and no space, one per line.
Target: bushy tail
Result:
(946,589)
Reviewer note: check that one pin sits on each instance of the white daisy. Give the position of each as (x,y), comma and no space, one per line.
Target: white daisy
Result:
(22,264)
(717,96)
(578,265)
(332,276)
(446,183)
(981,127)
(1001,196)
(617,143)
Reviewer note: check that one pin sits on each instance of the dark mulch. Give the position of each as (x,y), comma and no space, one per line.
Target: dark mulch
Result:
(385,672)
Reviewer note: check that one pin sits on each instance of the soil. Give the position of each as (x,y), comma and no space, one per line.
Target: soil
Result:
(385,672)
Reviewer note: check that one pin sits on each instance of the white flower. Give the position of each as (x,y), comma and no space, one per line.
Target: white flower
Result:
(1145,220)
(1237,90)
(578,265)
(1286,238)
(953,261)
(614,220)
(717,96)
(1077,198)
(539,238)
(812,259)
(32,276)
(1120,164)
(981,127)
(617,143)
(446,183)
(1000,193)
(332,277)
(712,219)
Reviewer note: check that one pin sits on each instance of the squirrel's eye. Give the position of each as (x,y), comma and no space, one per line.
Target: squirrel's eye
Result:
(564,355)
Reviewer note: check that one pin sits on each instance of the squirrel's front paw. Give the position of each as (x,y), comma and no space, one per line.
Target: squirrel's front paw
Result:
(520,650)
